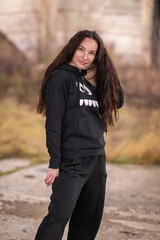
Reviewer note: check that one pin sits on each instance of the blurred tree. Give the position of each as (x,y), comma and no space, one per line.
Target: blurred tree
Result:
(156,34)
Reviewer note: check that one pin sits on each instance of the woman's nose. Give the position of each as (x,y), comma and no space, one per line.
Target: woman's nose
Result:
(85,55)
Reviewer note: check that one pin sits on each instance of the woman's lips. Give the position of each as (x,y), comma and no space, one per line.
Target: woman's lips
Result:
(83,63)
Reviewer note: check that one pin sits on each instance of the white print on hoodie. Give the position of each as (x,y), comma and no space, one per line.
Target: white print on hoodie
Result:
(87,102)
(84,89)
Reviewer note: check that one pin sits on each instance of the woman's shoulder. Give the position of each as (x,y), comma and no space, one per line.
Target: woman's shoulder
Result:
(58,78)
(58,74)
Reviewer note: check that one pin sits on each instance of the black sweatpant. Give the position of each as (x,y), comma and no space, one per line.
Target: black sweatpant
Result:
(78,195)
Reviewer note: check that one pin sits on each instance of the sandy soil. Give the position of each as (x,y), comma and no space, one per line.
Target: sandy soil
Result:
(131,212)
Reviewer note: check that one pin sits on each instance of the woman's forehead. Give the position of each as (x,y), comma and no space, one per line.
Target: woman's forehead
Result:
(89,43)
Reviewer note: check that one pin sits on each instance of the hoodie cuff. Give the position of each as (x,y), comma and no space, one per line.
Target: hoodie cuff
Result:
(54,163)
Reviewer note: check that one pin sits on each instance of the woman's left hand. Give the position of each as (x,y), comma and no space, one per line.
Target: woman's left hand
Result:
(51,175)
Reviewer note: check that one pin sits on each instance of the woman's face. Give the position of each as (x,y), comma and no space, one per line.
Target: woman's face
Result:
(85,54)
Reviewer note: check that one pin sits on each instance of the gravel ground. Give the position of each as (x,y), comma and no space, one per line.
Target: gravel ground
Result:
(131,212)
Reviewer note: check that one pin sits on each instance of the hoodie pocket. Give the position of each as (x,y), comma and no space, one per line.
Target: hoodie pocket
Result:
(89,132)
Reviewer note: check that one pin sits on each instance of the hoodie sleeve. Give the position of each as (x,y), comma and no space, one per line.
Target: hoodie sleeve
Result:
(56,96)
(121,96)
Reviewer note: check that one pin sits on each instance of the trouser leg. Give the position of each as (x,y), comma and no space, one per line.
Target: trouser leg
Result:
(66,189)
(87,214)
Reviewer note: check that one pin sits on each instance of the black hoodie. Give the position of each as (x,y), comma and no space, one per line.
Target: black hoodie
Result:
(73,126)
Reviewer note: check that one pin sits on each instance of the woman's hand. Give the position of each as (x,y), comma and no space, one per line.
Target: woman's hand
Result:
(51,175)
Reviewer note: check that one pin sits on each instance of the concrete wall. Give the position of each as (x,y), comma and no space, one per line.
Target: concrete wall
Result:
(126,25)
(27,24)
(42,27)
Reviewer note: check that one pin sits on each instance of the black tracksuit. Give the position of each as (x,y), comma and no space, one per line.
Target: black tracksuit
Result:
(75,142)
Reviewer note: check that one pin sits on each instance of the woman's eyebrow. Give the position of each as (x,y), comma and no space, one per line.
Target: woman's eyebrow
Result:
(92,51)
(84,48)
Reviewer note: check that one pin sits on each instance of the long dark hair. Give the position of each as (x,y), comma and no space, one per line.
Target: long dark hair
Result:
(107,87)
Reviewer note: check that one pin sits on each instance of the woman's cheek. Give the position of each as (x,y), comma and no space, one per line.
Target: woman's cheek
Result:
(92,59)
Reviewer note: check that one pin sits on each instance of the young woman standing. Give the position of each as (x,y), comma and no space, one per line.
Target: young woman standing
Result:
(77,115)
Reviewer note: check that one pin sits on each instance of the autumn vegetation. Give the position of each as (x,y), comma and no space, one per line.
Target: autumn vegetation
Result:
(134,139)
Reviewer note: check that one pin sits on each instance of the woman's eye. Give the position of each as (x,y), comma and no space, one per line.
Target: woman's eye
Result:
(81,49)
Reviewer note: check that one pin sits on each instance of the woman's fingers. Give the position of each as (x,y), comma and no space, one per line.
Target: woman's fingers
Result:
(51,175)
(50,181)
(47,177)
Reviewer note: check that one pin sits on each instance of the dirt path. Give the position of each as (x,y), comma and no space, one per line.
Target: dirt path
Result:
(132,206)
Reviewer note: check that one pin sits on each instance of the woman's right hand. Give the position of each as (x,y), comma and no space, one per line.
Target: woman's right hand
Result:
(51,175)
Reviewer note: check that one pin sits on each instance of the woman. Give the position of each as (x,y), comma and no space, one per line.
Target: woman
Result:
(77,114)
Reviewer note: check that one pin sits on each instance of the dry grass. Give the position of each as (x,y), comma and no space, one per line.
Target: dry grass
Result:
(22,132)
(135,138)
